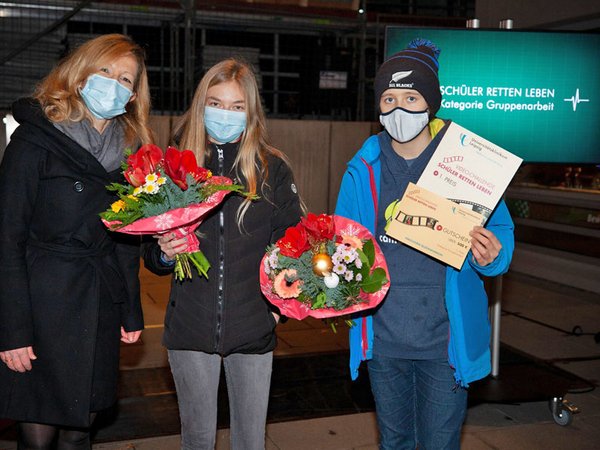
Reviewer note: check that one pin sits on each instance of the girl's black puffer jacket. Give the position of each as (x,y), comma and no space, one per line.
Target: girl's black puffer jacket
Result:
(227,313)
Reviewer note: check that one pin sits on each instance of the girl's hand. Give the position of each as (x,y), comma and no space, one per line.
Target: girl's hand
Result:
(18,359)
(484,245)
(171,246)
(129,337)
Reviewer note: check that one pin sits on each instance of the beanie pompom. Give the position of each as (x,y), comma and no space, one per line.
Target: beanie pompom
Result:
(420,42)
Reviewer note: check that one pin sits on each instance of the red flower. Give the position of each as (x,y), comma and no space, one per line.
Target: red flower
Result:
(294,243)
(142,163)
(319,228)
(178,164)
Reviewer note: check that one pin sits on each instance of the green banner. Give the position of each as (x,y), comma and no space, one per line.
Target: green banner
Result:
(536,94)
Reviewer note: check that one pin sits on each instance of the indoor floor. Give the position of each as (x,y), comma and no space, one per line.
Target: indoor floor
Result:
(314,405)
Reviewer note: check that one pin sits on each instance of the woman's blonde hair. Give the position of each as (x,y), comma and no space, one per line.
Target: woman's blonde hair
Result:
(251,160)
(59,96)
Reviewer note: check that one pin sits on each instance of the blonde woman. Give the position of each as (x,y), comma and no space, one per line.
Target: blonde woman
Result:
(69,290)
(225,320)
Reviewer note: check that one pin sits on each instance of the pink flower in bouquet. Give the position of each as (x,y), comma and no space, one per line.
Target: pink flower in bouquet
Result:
(142,163)
(352,241)
(178,164)
(285,288)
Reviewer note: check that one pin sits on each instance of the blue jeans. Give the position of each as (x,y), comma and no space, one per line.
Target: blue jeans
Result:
(417,402)
(196,376)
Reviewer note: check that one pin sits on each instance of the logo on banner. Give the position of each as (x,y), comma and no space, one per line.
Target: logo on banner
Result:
(576,99)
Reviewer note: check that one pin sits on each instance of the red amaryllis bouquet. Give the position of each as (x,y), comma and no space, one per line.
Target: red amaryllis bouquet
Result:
(167,193)
(326,266)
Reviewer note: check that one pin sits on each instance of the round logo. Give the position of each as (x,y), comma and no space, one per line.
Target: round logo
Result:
(78,186)
(294,189)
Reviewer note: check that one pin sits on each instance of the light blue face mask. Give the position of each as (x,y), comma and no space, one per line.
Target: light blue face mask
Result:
(223,125)
(404,125)
(105,98)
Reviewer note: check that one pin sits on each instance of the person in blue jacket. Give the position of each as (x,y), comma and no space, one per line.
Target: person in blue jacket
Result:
(430,337)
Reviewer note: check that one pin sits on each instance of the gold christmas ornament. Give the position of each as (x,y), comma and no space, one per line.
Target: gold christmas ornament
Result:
(322,264)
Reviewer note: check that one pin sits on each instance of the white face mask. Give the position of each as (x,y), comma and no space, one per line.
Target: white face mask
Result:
(404,125)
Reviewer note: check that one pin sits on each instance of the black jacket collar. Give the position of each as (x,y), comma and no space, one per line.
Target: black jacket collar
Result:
(39,131)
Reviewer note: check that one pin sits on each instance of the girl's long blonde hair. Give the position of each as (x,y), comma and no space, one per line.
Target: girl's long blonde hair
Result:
(251,160)
(59,96)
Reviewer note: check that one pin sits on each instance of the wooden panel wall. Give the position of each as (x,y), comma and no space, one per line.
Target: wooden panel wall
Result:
(346,139)
(318,151)
(161,126)
(307,144)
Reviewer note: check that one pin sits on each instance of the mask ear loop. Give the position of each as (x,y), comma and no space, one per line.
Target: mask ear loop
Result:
(81,85)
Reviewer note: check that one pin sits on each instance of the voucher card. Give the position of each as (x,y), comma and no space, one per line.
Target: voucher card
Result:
(469,170)
(433,225)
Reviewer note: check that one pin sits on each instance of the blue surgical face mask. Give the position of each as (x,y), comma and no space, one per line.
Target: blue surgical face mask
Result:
(223,125)
(105,98)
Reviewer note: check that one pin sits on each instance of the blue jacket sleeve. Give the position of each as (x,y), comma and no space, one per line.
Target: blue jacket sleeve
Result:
(501,224)
(346,205)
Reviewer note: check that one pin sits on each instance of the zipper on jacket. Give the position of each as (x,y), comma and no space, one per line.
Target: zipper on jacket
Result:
(221,255)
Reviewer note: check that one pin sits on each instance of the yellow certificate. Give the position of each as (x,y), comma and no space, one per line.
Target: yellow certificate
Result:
(433,225)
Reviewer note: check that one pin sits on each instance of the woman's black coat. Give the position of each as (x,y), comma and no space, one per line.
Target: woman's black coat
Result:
(66,284)
(227,312)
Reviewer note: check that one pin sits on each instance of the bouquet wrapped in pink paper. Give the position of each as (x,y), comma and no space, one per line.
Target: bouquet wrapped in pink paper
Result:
(326,266)
(167,193)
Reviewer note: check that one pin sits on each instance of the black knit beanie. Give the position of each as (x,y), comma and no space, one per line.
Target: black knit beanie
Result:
(415,67)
